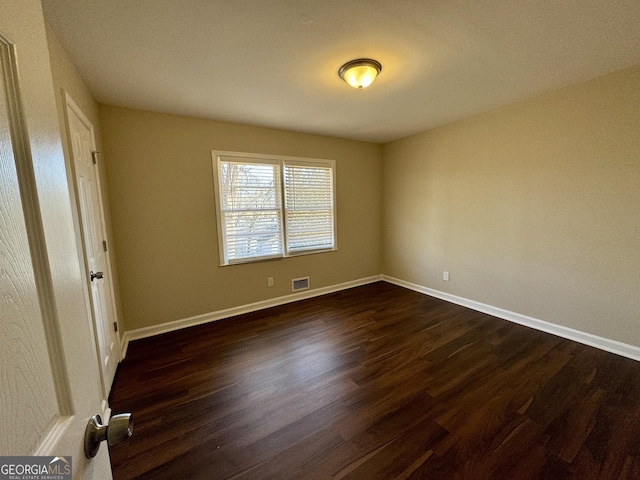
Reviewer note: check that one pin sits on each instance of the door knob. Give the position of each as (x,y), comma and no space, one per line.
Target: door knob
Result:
(119,428)
(98,275)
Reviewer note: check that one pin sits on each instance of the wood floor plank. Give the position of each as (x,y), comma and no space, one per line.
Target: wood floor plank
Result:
(375,382)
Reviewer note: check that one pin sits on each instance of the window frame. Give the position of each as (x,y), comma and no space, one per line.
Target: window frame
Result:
(218,156)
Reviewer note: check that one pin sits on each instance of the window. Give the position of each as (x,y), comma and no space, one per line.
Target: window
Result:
(272,207)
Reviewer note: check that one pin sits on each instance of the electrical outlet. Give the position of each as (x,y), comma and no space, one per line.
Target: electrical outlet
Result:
(270,282)
(445,276)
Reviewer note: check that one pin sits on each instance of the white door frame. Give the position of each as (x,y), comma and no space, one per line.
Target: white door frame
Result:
(70,104)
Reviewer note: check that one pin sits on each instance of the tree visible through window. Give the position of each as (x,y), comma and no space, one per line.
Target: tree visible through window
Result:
(250,192)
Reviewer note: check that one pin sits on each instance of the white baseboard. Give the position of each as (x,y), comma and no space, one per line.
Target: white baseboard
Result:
(145,332)
(612,346)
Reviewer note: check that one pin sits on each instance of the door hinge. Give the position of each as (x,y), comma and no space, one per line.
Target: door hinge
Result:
(94,156)
(104,245)
(115,326)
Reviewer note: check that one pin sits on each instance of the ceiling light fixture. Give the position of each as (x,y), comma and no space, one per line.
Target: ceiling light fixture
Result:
(360,73)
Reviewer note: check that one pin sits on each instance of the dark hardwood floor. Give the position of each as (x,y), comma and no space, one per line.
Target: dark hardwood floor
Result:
(375,382)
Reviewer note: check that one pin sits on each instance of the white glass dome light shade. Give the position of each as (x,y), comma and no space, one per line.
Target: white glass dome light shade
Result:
(360,73)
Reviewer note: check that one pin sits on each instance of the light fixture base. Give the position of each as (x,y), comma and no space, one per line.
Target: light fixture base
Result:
(360,73)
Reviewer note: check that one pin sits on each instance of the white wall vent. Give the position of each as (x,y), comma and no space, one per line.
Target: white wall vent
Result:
(300,284)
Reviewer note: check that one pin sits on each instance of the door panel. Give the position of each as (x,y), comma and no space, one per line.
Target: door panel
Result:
(93,235)
(28,397)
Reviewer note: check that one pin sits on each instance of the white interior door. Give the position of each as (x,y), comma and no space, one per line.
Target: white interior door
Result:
(89,197)
(49,376)
(29,397)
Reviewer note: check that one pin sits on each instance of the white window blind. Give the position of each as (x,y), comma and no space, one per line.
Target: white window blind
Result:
(250,209)
(308,200)
(250,193)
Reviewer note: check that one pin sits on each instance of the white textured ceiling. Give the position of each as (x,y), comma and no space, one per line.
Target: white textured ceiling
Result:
(274,63)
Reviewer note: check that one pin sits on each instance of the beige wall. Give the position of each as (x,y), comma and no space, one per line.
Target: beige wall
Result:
(163,212)
(534,208)
(66,78)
